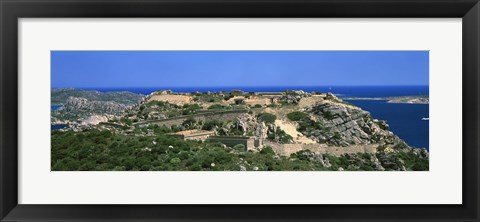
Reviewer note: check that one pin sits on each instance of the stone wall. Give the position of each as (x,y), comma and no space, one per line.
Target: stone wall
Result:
(231,141)
(199,136)
(288,149)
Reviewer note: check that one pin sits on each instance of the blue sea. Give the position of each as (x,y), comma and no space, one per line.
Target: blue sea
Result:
(404,119)
(57,126)
(55,107)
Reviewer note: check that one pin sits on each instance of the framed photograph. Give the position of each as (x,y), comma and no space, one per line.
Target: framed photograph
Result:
(254,110)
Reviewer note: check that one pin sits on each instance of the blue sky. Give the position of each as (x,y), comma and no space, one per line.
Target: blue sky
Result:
(80,69)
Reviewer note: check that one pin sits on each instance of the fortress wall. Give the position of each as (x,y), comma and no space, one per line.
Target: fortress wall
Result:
(201,137)
(232,141)
(288,149)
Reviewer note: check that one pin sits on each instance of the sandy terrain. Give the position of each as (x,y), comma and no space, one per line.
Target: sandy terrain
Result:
(258,100)
(291,129)
(310,101)
(174,99)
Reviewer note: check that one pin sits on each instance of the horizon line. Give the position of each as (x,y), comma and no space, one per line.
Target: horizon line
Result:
(86,87)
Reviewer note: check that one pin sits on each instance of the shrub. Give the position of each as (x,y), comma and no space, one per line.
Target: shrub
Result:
(267,150)
(209,125)
(175,160)
(296,116)
(162,129)
(283,137)
(189,122)
(267,117)
(257,106)
(126,121)
(157,103)
(236,92)
(176,128)
(218,106)
(328,115)
(337,136)
(401,145)
(239,147)
(228,96)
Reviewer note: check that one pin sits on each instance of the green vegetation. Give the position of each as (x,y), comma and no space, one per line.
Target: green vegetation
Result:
(280,136)
(240,147)
(104,151)
(188,109)
(328,115)
(209,125)
(204,97)
(411,161)
(171,110)
(122,145)
(296,116)
(160,104)
(219,107)
(228,96)
(267,117)
(127,121)
(60,96)
(236,92)
(189,123)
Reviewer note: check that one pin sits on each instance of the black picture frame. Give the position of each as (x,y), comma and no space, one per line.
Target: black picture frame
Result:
(12,10)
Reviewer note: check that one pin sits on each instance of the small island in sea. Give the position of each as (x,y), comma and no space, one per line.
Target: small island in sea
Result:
(417,99)
(217,128)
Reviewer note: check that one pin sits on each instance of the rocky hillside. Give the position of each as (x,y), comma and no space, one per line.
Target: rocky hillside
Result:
(82,105)
(341,124)
(297,130)
(60,96)
(76,108)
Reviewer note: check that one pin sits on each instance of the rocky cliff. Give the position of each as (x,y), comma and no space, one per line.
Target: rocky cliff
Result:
(343,125)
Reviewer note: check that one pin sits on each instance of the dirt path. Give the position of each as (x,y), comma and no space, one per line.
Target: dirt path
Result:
(291,129)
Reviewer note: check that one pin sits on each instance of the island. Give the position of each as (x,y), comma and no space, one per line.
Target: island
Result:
(417,99)
(291,130)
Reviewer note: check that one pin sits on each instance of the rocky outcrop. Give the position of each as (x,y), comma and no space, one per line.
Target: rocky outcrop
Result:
(108,107)
(339,124)
(93,120)
(246,122)
(261,130)
(80,108)
(293,96)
